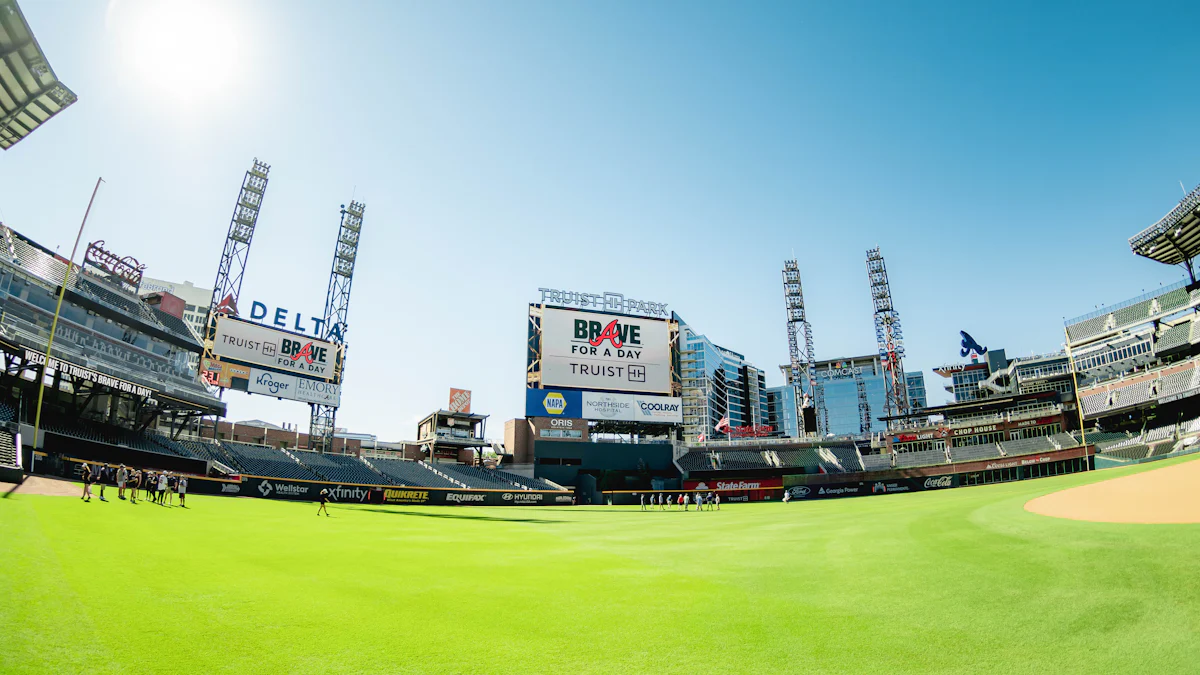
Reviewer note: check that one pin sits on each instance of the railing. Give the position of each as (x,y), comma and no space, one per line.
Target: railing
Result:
(1127,303)
(1190,201)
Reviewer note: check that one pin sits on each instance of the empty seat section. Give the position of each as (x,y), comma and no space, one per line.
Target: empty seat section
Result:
(340,468)
(260,460)
(404,472)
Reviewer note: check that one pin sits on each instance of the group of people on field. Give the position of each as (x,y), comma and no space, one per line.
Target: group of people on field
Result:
(701,500)
(159,487)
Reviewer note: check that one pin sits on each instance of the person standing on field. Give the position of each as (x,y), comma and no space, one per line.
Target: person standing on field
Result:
(122,477)
(135,484)
(181,488)
(85,472)
(717,499)
(643,500)
(162,488)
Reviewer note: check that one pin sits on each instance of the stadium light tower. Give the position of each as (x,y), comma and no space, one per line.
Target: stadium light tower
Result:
(237,250)
(337,308)
(888,335)
(864,406)
(803,367)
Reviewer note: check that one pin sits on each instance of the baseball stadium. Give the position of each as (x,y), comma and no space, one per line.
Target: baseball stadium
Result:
(1046,519)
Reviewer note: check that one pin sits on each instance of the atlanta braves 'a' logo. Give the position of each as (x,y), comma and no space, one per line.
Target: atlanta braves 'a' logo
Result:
(611,333)
(969,345)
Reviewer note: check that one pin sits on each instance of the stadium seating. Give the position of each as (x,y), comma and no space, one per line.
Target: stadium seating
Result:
(260,460)
(805,458)
(339,468)
(875,462)
(1027,446)
(8,449)
(531,483)
(1135,451)
(7,412)
(404,472)
(1137,312)
(845,458)
(920,458)
(1173,337)
(743,459)
(697,460)
(972,453)
(475,477)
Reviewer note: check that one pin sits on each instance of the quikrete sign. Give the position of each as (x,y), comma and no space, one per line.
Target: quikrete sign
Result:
(249,342)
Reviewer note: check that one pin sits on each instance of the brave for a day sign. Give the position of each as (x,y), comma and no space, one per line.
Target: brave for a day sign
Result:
(592,350)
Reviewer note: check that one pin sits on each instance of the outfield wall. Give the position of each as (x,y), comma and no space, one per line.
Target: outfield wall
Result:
(265,487)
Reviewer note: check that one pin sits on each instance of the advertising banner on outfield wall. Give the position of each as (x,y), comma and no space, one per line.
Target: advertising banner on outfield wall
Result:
(872,487)
(309,491)
(294,388)
(252,343)
(610,352)
(596,405)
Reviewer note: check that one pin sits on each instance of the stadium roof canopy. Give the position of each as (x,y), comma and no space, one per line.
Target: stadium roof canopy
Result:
(30,92)
(1175,238)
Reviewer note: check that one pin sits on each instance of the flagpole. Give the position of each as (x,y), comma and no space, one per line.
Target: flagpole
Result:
(62,291)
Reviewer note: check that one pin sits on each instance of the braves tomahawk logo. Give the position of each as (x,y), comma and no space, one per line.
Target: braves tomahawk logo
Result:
(610,333)
(969,345)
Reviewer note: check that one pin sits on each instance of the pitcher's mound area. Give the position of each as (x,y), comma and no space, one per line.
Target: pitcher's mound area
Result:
(1167,495)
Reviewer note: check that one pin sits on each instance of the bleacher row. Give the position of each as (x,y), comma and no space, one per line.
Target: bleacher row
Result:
(261,460)
(1120,395)
(849,460)
(1138,312)
(1153,442)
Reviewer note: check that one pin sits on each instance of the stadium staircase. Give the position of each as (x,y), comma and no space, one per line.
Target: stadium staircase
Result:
(454,481)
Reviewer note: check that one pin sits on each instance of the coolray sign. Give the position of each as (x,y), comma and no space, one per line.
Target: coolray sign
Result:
(595,405)
(252,343)
(588,350)
(81,373)
(632,408)
(612,302)
(278,316)
(294,388)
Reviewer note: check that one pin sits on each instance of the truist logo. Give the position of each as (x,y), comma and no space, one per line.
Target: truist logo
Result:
(970,346)
(616,334)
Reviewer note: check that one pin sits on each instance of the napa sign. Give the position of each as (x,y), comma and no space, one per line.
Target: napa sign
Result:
(290,320)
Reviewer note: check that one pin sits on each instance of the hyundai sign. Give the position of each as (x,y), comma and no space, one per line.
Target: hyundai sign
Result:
(251,343)
(596,405)
(590,350)
(295,388)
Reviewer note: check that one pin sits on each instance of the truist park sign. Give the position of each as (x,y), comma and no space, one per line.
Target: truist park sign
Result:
(607,301)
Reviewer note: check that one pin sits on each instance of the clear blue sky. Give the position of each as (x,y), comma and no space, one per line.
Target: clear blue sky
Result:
(675,151)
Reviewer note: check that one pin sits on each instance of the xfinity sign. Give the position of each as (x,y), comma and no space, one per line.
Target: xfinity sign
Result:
(608,301)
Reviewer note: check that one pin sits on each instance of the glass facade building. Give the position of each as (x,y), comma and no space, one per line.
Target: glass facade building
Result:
(915,383)
(782,411)
(838,379)
(717,382)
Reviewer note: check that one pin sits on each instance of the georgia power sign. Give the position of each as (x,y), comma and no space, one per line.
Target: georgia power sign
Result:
(590,350)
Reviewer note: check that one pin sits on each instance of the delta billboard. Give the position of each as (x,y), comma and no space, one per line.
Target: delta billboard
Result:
(296,354)
(596,405)
(592,350)
(294,388)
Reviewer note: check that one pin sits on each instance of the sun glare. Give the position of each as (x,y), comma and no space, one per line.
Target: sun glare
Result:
(185,50)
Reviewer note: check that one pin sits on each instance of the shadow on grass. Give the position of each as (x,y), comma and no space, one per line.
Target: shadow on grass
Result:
(463,516)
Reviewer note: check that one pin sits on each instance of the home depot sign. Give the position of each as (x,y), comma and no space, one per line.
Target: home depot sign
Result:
(460,400)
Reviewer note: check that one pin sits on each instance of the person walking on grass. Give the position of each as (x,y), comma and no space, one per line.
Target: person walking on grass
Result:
(324,503)
(85,472)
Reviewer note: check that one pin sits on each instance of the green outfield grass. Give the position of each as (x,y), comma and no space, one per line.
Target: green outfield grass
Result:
(954,581)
